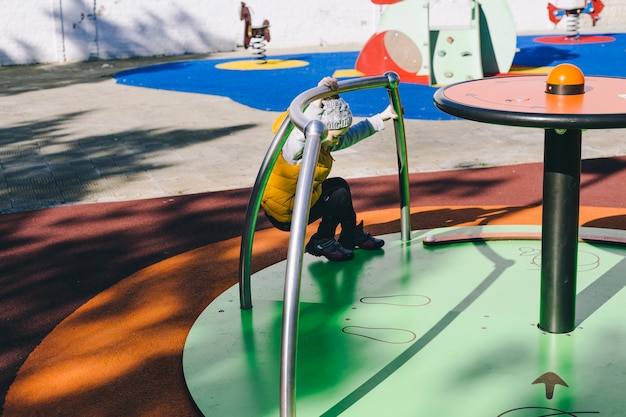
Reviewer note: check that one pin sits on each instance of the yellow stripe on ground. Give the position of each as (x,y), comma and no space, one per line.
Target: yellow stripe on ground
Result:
(346,73)
(530,70)
(258,64)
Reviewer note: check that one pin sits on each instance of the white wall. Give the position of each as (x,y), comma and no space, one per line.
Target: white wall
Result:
(58,31)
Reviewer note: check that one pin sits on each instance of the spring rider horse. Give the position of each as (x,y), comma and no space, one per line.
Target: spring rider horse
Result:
(255,37)
(571,11)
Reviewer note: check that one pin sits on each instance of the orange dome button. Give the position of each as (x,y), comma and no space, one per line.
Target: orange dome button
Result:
(565,79)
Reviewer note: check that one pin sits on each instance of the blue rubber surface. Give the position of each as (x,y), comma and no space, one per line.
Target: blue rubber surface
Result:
(273,90)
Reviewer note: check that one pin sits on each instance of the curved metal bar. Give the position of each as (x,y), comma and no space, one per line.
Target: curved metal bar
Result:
(299,103)
(391,81)
(403,162)
(296,117)
(313,132)
(252,212)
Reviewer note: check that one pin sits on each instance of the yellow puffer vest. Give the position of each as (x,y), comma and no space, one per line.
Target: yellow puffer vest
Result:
(280,191)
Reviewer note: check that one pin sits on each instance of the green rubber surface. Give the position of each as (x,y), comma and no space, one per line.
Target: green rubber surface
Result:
(417,331)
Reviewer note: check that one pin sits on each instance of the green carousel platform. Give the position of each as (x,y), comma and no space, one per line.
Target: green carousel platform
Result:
(444,324)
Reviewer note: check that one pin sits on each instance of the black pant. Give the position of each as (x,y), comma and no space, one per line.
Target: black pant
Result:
(334,207)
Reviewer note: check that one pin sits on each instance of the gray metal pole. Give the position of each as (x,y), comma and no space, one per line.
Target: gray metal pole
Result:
(559,244)
(403,162)
(313,132)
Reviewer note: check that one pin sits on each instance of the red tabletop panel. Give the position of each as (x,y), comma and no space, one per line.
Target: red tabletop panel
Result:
(522,101)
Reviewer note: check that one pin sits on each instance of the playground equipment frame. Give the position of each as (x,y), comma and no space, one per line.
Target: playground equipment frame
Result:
(314,131)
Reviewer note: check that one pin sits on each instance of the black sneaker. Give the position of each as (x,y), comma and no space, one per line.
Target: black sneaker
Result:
(365,240)
(330,248)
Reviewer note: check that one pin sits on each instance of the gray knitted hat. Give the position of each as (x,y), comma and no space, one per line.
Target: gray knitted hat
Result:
(336,114)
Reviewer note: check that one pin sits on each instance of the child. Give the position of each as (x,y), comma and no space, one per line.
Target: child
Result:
(331,198)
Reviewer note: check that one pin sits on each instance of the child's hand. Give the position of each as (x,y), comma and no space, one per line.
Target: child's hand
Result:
(329,82)
(388,113)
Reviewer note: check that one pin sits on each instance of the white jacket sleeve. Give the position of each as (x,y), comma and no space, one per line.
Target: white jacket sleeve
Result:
(294,146)
(360,131)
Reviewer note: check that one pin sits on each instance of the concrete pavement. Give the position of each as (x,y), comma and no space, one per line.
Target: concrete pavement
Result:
(69,134)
